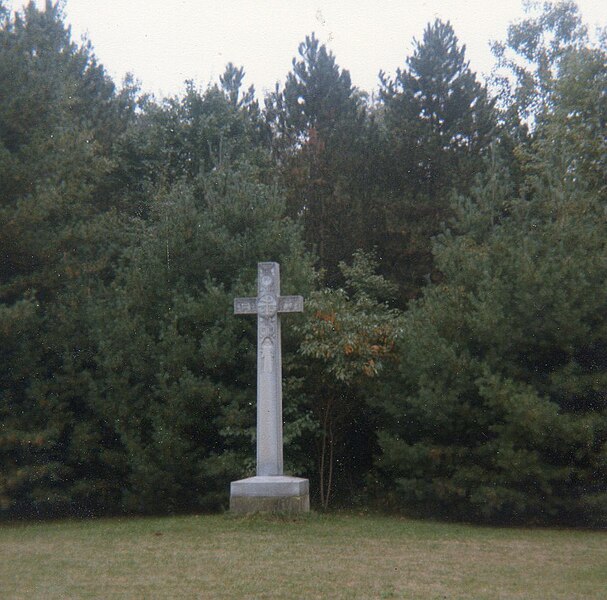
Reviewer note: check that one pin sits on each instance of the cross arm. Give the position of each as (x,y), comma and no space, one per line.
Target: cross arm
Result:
(289,304)
(245,306)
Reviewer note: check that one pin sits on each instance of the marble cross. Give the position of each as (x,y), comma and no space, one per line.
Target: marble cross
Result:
(267,306)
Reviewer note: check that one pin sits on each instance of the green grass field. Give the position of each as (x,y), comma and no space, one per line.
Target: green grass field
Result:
(320,556)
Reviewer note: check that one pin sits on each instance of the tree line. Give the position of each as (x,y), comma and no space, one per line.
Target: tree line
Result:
(449,239)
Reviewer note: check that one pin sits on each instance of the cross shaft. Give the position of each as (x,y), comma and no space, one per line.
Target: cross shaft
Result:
(268,305)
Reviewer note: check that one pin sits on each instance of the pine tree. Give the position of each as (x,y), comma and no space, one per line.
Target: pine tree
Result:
(59,116)
(439,121)
(316,122)
(500,409)
(438,114)
(175,369)
(183,138)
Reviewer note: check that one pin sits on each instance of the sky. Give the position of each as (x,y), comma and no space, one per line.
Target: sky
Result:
(165,42)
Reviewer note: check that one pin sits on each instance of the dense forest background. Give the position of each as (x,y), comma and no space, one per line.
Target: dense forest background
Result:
(449,237)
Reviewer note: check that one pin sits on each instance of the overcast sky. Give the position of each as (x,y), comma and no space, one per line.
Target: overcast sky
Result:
(164,42)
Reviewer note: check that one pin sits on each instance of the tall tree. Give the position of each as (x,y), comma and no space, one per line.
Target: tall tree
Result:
(551,79)
(59,232)
(439,121)
(499,411)
(183,138)
(528,61)
(315,121)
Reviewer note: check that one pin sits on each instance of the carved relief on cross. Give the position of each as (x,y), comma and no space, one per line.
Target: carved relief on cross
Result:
(268,306)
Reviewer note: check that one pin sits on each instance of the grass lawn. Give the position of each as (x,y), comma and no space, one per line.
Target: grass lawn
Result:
(321,556)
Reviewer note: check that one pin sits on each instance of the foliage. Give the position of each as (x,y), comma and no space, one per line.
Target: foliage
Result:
(316,122)
(175,368)
(59,115)
(571,138)
(183,138)
(532,56)
(499,410)
(350,337)
(128,224)
(437,114)
(438,121)
(103,406)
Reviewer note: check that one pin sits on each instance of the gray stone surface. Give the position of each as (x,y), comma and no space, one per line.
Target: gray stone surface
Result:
(267,306)
(276,486)
(290,505)
(270,490)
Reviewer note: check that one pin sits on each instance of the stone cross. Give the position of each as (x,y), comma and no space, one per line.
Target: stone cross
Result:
(267,306)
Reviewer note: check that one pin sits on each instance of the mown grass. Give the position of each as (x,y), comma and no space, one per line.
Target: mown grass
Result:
(321,556)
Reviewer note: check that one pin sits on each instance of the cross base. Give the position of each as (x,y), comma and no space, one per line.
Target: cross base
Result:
(270,494)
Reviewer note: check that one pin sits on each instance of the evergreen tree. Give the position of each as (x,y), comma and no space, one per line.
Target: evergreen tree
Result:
(499,408)
(59,116)
(439,121)
(499,411)
(503,412)
(183,138)
(175,369)
(316,122)
(231,84)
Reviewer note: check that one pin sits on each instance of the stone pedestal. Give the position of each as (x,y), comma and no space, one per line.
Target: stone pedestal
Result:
(270,494)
